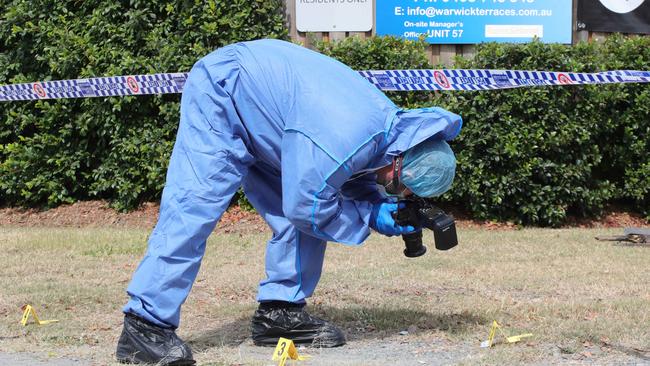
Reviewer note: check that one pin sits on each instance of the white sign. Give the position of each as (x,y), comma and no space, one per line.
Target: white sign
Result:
(334,15)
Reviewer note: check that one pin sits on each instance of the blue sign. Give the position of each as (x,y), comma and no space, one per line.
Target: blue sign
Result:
(476,21)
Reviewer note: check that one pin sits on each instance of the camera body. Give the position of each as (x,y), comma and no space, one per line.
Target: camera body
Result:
(421,213)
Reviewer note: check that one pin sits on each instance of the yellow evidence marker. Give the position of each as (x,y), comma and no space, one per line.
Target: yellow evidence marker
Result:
(28,309)
(285,350)
(493,332)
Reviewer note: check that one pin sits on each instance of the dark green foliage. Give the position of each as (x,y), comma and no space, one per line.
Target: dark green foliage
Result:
(114,148)
(625,123)
(534,155)
(528,154)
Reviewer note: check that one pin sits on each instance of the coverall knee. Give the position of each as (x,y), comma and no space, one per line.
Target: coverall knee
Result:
(294,260)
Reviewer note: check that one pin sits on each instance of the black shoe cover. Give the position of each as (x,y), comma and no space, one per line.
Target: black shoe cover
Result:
(145,343)
(281,319)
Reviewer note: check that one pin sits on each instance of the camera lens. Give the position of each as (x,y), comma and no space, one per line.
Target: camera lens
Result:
(414,247)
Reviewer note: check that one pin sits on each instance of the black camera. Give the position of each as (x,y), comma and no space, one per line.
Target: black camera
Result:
(421,213)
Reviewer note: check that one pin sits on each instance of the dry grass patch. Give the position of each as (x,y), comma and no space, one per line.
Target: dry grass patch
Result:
(584,300)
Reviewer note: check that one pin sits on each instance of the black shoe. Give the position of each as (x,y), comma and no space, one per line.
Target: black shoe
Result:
(276,319)
(146,343)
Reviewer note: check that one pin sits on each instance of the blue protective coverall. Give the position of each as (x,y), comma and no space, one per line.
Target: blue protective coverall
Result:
(297,130)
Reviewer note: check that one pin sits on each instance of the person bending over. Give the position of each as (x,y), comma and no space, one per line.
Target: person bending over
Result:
(312,143)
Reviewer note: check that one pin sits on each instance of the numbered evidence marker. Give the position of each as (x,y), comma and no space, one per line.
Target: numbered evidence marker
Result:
(28,309)
(286,349)
(493,332)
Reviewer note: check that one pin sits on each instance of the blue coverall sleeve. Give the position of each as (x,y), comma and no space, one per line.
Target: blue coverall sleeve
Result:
(311,193)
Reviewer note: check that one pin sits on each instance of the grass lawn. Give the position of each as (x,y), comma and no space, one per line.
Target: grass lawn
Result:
(585,301)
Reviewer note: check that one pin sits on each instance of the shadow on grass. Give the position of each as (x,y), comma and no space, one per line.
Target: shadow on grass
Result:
(229,334)
(359,323)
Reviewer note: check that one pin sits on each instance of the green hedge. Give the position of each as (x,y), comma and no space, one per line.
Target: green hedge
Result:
(53,152)
(535,155)
(531,155)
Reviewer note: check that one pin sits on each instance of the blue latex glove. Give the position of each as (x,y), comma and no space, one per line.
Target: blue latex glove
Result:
(381,219)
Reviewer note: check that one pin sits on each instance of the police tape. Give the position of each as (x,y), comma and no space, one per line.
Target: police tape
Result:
(387,80)
(407,80)
(96,87)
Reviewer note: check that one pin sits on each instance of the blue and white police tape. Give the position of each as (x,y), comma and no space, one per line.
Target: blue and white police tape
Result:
(406,80)
(388,80)
(96,87)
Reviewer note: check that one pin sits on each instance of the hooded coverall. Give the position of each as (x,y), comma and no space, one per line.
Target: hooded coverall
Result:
(302,133)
